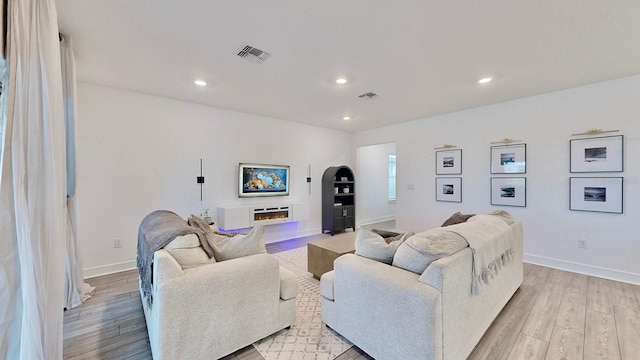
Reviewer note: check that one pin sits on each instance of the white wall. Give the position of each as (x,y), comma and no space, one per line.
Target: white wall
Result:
(372,184)
(545,123)
(138,153)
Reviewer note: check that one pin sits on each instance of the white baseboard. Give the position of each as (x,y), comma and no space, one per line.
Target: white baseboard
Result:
(375,220)
(585,269)
(109,269)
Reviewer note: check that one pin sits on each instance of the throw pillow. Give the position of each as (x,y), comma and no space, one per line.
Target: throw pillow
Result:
(457,218)
(198,222)
(419,251)
(189,258)
(184,242)
(373,246)
(227,248)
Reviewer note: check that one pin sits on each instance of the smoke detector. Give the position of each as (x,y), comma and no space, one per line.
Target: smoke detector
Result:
(368,95)
(253,54)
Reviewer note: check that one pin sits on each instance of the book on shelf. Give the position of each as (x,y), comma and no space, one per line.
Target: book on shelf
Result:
(337,204)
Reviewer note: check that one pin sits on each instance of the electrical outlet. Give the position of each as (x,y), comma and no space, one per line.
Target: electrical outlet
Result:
(117,243)
(582,243)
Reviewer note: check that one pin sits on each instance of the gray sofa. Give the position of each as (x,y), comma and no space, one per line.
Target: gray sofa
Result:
(392,313)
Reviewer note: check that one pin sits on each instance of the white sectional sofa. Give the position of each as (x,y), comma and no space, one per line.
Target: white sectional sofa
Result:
(392,313)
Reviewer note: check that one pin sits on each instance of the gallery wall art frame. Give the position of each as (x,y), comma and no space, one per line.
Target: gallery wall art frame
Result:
(599,194)
(449,189)
(509,191)
(509,159)
(597,154)
(449,162)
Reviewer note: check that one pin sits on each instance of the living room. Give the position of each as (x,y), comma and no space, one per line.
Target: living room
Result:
(138,152)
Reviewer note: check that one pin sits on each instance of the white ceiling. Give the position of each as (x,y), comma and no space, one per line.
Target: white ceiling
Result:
(423,57)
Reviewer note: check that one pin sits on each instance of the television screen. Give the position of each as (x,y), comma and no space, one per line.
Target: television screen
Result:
(263,180)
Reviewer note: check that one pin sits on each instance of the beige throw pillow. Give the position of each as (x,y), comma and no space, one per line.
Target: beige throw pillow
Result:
(419,251)
(373,246)
(227,248)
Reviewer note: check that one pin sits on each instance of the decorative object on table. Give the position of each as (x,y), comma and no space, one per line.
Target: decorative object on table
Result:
(601,194)
(509,159)
(449,189)
(509,191)
(597,154)
(206,217)
(263,180)
(449,162)
(336,218)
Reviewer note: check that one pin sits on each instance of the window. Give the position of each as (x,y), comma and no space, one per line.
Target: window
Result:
(392,177)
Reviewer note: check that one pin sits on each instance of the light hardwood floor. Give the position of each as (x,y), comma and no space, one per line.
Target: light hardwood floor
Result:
(554,315)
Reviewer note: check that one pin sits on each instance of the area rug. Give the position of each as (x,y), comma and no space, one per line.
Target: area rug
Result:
(308,338)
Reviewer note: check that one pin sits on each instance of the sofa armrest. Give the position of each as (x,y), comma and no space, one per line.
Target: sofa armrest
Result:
(288,284)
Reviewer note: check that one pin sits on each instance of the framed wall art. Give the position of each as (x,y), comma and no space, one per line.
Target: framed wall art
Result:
(509,159)
(509,191)
(449,162)
(602,194)
(449,189)
(598,154)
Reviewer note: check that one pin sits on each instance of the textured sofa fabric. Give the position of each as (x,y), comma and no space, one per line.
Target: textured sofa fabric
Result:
(212,310)
(392,313)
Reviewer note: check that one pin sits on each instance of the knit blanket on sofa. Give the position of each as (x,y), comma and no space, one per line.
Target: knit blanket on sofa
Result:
(156,230)
(491,242)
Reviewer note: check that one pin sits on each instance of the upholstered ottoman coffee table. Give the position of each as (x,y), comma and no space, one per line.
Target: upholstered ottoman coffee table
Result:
(322,253)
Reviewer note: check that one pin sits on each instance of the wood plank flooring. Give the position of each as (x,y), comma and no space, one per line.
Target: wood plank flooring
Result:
(554,315)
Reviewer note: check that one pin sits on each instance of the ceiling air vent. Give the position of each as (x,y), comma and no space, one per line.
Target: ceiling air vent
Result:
(368,95)
(253,54)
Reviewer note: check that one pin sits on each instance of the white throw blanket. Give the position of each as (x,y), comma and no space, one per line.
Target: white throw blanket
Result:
(491,242)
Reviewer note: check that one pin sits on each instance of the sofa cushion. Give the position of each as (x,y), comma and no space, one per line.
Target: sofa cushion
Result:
(373,246)
(457,218)
(417,252)
(183,242)
(190,257)
(227,248)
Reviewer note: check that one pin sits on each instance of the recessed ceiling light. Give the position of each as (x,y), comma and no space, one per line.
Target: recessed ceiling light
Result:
(485,80)
(200,82)
(346,118)
(341,81)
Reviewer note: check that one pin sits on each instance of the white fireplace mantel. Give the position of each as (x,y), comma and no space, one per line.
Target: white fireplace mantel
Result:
(240,217)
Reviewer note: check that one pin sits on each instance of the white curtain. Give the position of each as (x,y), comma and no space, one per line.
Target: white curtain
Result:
(76,290)
(33,210)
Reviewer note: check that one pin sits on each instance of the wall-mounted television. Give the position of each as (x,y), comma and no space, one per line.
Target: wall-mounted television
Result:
(263,180)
